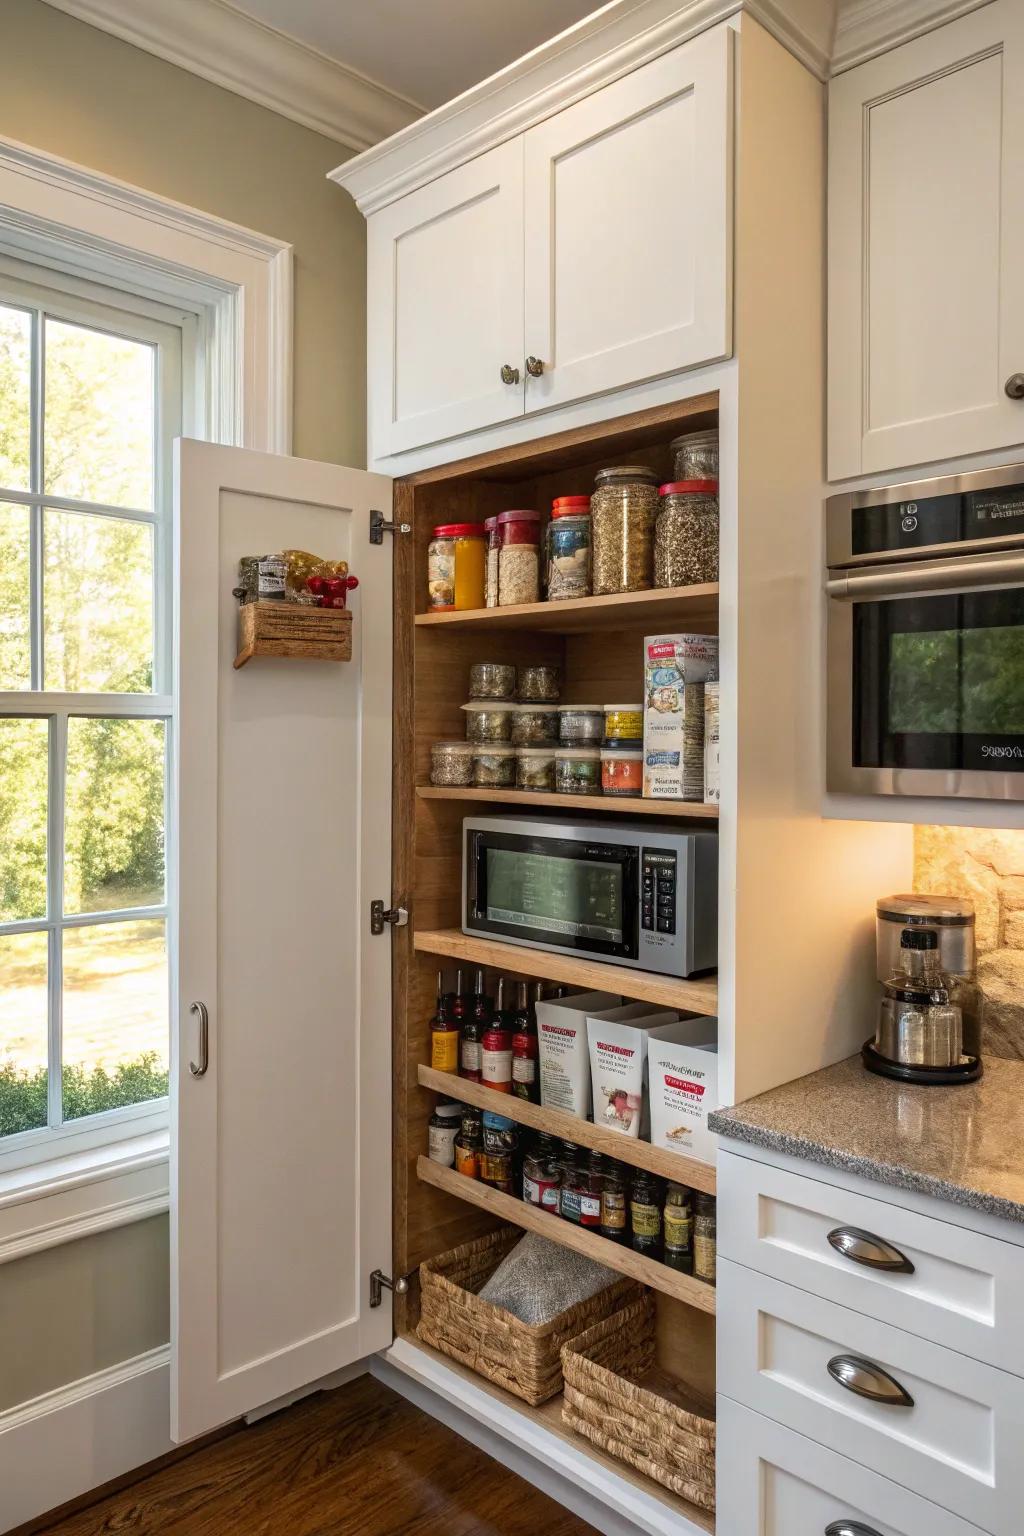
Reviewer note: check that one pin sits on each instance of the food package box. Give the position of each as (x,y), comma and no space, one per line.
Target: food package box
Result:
(676,667)
(562,1048)
(619,1044)
(683,1088)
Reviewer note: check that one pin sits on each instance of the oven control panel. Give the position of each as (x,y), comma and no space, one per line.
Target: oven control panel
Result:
(658,891)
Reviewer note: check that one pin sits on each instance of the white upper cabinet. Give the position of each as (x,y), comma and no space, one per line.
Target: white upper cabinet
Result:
(628,228)
(926,229)
(445,305)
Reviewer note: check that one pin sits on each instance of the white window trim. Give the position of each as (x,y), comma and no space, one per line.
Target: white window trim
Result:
(238,286)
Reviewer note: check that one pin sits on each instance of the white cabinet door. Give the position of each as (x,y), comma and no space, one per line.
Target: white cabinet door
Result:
(926,229)
(280,1151)
(628,227)
(445,305)
(773,1482)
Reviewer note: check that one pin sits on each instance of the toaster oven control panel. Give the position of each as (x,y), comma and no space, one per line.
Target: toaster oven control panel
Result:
(658,891)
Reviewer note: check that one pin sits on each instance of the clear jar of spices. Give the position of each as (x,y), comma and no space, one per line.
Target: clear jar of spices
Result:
(622,770)
(540,1174)
(686,534)
(492,680)
(456,559)
(705,1238)
(578,771)
(535,725)
(535,768)
(695,455)
(518,558)
(567,556)
(488,720)
(491,573)
(580,725)
(494,766)
(451,763)
(622,513)
(539,685)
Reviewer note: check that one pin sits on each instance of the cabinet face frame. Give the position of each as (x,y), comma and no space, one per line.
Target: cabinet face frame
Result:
(701,70)
(995,32)
(496,175)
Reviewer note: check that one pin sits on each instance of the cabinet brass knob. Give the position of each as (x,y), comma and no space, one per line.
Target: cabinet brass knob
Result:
(509,375)
(1015,386)
(534,367)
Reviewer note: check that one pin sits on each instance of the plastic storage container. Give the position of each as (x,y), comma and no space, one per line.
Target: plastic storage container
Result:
(539,685)
(535,725)
(695,455)
(580,725)
(578,771)
(488,720)
(492,680)
(686,534)
(451,763)
(535,768)
(567,551)
(623,722)
(622,770)
(494,766)
(456,563)
(622,513)
(518,558)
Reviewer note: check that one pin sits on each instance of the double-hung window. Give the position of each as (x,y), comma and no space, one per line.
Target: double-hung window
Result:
(90,400)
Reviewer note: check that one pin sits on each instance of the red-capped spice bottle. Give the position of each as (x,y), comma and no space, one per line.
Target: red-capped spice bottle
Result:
(525,1084)
(496,1049)
(444,1034)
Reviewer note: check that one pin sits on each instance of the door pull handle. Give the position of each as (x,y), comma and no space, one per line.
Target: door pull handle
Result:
(198,1069)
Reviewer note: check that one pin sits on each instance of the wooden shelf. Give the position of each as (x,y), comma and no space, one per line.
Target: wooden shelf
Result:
(569,1127)
(692,606)
(619,805)
(532,1219)
(698,995)
(292,629)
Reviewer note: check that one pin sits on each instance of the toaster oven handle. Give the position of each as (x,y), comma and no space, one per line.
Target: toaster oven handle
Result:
(921,578)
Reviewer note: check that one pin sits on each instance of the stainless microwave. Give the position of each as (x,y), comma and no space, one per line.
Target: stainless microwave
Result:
(631,895)
(926,637)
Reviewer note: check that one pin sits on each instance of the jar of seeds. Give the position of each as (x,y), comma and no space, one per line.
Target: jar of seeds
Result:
(578,771)
(494,766)
(451,763)
(686,534)
(622,513)
(535,725)
(518,558)
(695,455)
(488,720)
(492,680)
(539,685)
(491,571)
(535,768)
(567,563)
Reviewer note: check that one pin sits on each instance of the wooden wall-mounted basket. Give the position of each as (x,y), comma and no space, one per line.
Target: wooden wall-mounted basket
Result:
(289,629)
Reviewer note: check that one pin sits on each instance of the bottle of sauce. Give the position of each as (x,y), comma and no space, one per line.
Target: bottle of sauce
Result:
(705,1240)
(441,1133)
(678,1229)
(460,1002)
(480,1006)
(525,1083)
(645,1214)
(444,1034)
(473,1022)
(496,1049)
(614,1201)
(501,1142)
(579,1198)
(469,1144)
(540,1174)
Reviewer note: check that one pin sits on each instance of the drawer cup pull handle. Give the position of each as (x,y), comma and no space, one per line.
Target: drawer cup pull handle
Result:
(850,1528)
(873,1252)
(867,1380)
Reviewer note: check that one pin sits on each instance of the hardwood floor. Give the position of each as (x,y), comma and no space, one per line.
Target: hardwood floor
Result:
(359,1461)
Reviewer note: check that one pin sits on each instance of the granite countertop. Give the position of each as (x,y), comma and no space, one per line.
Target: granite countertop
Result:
(964,1144)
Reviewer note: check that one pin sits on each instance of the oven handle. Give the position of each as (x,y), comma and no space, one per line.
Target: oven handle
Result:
(925,577)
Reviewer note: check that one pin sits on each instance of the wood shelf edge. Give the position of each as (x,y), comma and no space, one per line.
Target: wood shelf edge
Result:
(693,1293)
(619,805)
(615,606)
(569,1127)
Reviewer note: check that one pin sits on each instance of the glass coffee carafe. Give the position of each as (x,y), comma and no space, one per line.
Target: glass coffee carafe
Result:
(919,1037)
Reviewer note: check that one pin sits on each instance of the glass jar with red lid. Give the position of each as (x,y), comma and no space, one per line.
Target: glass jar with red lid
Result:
(456,566)
(518,558)
(686,534)
(567,549)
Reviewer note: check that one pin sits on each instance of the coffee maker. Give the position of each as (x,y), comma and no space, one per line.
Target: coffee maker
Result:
(929,1027)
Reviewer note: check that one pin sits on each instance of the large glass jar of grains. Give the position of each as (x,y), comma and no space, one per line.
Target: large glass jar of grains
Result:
(695,455)
(518,558)
(567,563)
(686,534)
(622,514)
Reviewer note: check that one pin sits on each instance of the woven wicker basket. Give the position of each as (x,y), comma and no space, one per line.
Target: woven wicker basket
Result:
(523,1358)
(605,1401)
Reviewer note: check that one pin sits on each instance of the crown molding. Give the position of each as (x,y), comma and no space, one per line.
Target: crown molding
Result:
(868,27)
(601,48)
(212,39)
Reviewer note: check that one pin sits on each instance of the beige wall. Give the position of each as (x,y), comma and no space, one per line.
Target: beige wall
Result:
(79,93)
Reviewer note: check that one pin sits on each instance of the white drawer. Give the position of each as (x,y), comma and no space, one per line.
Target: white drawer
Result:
(958,1444)
(774,1482)
(965,1287)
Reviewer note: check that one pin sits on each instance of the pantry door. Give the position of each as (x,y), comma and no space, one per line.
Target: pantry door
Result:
(280,1149)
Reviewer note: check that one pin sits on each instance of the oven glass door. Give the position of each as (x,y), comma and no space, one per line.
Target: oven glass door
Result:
(938,682)
(569,894)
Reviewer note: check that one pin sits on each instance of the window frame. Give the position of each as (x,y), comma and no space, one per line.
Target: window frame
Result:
(172,335)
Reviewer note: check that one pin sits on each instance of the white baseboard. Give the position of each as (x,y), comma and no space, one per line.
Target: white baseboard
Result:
(67,1442)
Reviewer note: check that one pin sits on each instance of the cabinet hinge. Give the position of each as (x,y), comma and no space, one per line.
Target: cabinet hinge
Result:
(380,1282)
(395,917)
(380,525)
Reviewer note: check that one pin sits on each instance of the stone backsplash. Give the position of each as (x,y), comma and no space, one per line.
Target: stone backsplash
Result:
(988,867)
